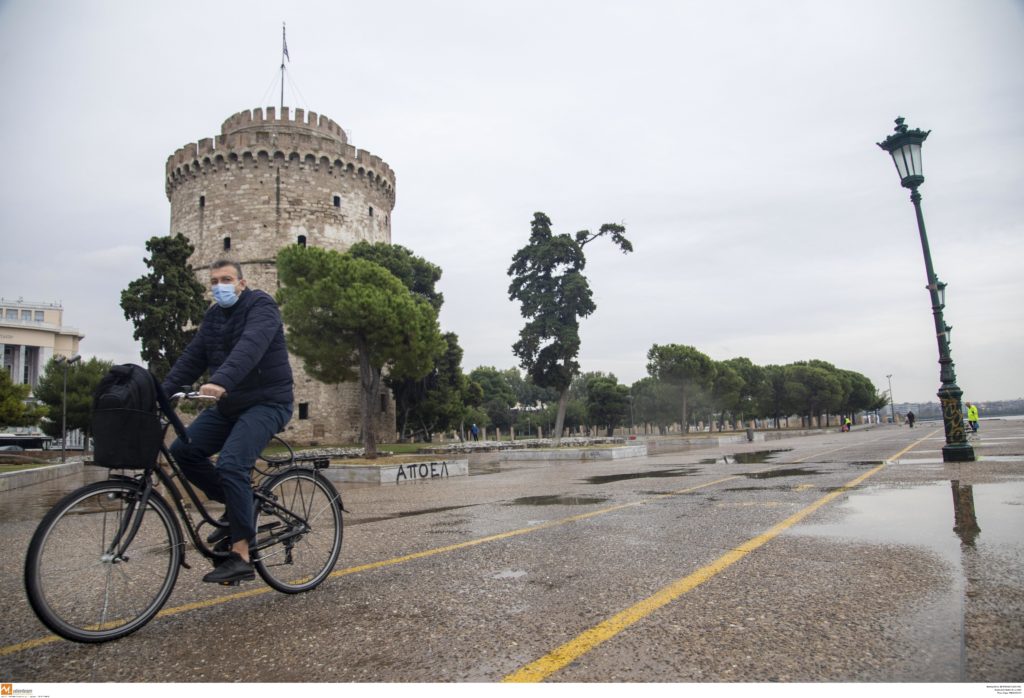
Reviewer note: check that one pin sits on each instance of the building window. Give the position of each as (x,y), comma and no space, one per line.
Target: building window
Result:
(303,410)
(39,316)
(202,202)
(26,316)
(337,202)
(227,243)
(12,314)
(371,212)
(302,241)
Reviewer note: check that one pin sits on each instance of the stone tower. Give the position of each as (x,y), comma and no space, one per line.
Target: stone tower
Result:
(269,181)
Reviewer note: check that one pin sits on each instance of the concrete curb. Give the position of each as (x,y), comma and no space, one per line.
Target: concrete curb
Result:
(33,476)
(614,453)
(430,469)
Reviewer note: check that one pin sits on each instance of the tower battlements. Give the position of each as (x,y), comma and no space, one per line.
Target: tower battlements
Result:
(254,138)
(255,119)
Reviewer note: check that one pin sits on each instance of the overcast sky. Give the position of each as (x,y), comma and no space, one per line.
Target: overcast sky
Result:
(734,140)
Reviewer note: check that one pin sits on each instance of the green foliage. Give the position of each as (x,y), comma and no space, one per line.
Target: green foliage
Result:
(83,377)
(167,304)
(753,380)
(725,389)
(683,367)
(607,402)
(351,318)
(437,401)
(498,396)
(548,281)
(812,389)
(14,410)
(655,403)
(418,275)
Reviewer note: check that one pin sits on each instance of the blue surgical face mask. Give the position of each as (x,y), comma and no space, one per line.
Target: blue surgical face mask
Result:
(225,295)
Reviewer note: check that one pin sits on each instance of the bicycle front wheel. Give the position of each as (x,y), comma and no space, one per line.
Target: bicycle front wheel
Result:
(301,531)
(83,582)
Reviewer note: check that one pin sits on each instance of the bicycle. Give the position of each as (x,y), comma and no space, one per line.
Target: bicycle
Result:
(105,559)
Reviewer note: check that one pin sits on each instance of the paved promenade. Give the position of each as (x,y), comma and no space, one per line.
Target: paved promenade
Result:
(839,558)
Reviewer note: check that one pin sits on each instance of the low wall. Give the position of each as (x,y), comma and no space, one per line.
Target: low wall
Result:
(633,451)
(33,476)
(385,474)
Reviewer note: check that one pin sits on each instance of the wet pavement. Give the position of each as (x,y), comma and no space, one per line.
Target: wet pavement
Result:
(842,558)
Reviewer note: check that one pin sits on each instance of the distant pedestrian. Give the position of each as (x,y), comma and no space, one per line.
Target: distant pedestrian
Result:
(847,424)
(475,431)
(910,419)
(972,417)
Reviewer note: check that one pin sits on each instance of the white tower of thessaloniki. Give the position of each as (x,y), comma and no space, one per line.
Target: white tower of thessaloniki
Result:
(271,180)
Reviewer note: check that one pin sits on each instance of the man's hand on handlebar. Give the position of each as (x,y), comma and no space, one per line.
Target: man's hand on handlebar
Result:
(208,392)
(212,390)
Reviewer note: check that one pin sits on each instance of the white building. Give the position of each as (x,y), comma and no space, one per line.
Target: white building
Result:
(30,335)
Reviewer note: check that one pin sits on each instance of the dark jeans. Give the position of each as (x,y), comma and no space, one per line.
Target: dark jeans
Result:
(239,440)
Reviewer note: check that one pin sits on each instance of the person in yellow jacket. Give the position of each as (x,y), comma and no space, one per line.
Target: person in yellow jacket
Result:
(972,417)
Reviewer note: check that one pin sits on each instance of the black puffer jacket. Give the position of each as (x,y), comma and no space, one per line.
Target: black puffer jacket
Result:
(243,347)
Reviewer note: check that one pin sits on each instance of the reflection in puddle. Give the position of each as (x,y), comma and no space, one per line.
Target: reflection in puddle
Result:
(745,458)
(928,516)
(605,479)
(550,499)
(788,472)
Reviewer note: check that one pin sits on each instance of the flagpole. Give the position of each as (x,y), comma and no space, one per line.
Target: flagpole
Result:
(284,52)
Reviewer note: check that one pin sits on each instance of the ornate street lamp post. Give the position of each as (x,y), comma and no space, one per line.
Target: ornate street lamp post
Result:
(905,148)
(892,406)
(64,402)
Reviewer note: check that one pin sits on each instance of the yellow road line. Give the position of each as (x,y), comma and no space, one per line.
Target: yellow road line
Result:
(571,651)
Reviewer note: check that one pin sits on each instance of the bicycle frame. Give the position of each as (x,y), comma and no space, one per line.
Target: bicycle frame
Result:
(130,524)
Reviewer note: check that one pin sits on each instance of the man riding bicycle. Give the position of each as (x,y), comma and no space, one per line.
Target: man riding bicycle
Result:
(241,342)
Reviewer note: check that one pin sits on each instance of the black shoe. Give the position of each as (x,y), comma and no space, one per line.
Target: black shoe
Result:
(219,533)
(232,570)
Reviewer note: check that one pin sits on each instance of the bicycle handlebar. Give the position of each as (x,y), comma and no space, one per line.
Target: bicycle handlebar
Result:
(192,395)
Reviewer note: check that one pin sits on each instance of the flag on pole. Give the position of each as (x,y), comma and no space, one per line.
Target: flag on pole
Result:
(284,44)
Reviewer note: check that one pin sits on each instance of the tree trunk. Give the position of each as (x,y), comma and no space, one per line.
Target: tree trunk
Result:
(686,424)
(563,403)
(369,380)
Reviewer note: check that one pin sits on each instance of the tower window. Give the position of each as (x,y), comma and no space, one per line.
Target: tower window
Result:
(202,202)
(302,241)
(371,212)
(227,243)
(337,202)
(303,410)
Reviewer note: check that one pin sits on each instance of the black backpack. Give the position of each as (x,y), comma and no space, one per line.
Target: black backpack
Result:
(125,418)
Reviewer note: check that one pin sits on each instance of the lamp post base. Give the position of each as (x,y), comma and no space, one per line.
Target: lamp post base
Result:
(958,453)
(956,450)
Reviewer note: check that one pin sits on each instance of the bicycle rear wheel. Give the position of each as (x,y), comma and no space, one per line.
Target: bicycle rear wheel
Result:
(76,582)
(309,538)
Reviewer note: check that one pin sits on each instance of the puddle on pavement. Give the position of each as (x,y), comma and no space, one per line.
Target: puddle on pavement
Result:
(745,458)
(404,514)
(786,472)
(551,499)
(931,516)
(674,472)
